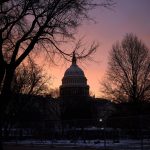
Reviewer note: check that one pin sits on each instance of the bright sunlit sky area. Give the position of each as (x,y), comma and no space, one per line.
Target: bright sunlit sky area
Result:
(110,26)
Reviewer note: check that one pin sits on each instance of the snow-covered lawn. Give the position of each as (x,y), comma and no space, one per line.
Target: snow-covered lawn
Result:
(109,144)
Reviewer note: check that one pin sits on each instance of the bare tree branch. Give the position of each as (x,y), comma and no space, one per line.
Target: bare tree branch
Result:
(128,75)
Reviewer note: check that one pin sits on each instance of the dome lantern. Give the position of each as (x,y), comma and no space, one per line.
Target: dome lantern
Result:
(74,60)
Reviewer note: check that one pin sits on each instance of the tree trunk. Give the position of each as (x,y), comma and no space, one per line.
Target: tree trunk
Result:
(2,61)
(2,73)
(5,98)
(1,137)
(6,88)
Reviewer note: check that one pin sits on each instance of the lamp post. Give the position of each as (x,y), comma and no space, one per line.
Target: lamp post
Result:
(100,120)
(102,123)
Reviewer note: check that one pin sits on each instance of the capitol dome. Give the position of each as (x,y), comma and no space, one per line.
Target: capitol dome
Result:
(74,70)
(74,80)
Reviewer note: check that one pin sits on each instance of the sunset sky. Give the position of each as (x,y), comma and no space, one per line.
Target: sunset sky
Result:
(111,26)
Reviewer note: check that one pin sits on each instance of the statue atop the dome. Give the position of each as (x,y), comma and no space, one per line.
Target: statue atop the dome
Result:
(74,59)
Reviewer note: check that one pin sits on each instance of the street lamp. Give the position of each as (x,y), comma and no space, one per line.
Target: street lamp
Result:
(100,120)
(103,128)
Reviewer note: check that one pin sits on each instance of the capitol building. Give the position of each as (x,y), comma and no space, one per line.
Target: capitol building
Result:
(74,82)
(74,93)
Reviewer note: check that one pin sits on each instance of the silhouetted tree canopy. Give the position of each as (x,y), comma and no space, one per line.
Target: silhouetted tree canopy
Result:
(128,75)
(31,79)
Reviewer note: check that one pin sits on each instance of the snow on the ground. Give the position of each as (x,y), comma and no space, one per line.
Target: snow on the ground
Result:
(87,143)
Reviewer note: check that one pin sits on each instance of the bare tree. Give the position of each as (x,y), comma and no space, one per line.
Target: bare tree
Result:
(30,79)
(128,75)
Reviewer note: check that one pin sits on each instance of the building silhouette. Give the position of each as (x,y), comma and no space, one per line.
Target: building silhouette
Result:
(74,93)
(74,82)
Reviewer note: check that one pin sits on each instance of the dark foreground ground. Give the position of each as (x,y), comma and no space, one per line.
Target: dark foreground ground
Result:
(42,147)
(88,145)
